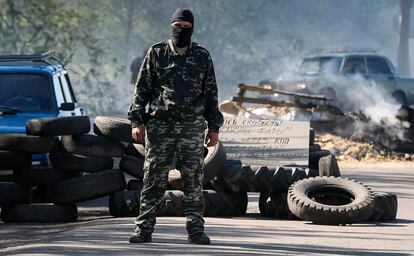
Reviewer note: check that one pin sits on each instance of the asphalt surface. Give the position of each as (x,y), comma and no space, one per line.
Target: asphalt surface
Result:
(98,234)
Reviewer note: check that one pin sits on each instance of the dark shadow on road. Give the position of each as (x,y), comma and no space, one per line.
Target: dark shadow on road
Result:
(171,239)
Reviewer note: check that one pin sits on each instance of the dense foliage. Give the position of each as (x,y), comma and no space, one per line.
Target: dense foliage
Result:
(249,40)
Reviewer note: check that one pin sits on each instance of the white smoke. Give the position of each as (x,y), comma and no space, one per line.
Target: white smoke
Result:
(357,93)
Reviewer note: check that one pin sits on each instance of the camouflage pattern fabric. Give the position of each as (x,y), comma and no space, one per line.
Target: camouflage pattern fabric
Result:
(176,87)
(163,139)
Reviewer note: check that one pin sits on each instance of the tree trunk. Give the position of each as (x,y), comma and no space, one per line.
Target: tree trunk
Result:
(403,50)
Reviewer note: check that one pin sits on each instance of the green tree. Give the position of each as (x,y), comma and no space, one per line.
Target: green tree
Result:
(28,26)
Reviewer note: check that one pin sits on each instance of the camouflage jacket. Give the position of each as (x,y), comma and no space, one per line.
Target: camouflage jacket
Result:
(176,87)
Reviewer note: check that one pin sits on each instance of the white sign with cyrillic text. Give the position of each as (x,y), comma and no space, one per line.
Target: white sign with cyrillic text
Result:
(266,142)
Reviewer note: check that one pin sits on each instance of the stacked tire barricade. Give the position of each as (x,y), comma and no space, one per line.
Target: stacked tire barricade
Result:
(81,167)
(316,193)
(273,182)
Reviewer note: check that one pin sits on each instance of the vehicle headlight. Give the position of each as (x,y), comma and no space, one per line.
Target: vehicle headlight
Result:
(301,85)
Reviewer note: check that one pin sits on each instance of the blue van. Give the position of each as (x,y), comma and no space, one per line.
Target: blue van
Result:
(34,86)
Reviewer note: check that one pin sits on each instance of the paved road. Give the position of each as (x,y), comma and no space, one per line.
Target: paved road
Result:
(97,234)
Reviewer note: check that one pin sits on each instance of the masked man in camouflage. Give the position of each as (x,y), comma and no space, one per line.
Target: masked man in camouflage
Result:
(177,80)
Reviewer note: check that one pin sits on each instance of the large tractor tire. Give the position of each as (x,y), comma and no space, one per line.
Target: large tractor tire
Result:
(330,200)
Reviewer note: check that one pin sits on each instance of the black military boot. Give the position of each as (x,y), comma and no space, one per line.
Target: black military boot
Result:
(198,238)
(141,237)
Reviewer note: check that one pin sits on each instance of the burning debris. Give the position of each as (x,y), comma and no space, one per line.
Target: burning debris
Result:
(367,134)
(349,150)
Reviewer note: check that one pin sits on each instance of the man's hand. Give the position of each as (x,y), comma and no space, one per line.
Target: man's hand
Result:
(211,139)
(138,134)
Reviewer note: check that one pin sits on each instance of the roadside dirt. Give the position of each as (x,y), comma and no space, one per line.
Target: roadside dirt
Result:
(347,150)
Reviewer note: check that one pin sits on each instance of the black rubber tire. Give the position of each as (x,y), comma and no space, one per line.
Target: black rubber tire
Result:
(114,128)
(57,126)
(71,162)
(385,207)
(174,180)
(225,177)
(14,160)
(124,203)
(172,204)
(330,200)
(214,161)
(311,136)
(133,166)
(280,207)
(238,178)
(14,193)
(328,166)
(6,178)
(92,145)
(134,185)
(314,147)
(312,173)
(136,150)
(28,143)
(235,203)
(264,204)
(42,194)
(39,213)
(275,206)
(284,177)
(41,176)
(315,156)
(215,204)
(88,187)
(281,180)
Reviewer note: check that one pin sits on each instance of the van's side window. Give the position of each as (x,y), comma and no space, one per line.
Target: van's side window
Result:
(58,90)
(66,92)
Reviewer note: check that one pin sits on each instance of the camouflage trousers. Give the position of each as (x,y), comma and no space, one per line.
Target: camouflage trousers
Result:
(163,140)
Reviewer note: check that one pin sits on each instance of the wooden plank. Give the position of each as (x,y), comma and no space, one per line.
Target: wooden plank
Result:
(271,102)
(271,91)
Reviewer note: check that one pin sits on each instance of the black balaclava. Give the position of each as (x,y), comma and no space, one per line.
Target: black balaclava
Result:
(181,37)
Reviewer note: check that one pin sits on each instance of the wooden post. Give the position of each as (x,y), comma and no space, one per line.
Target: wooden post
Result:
(240,95)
